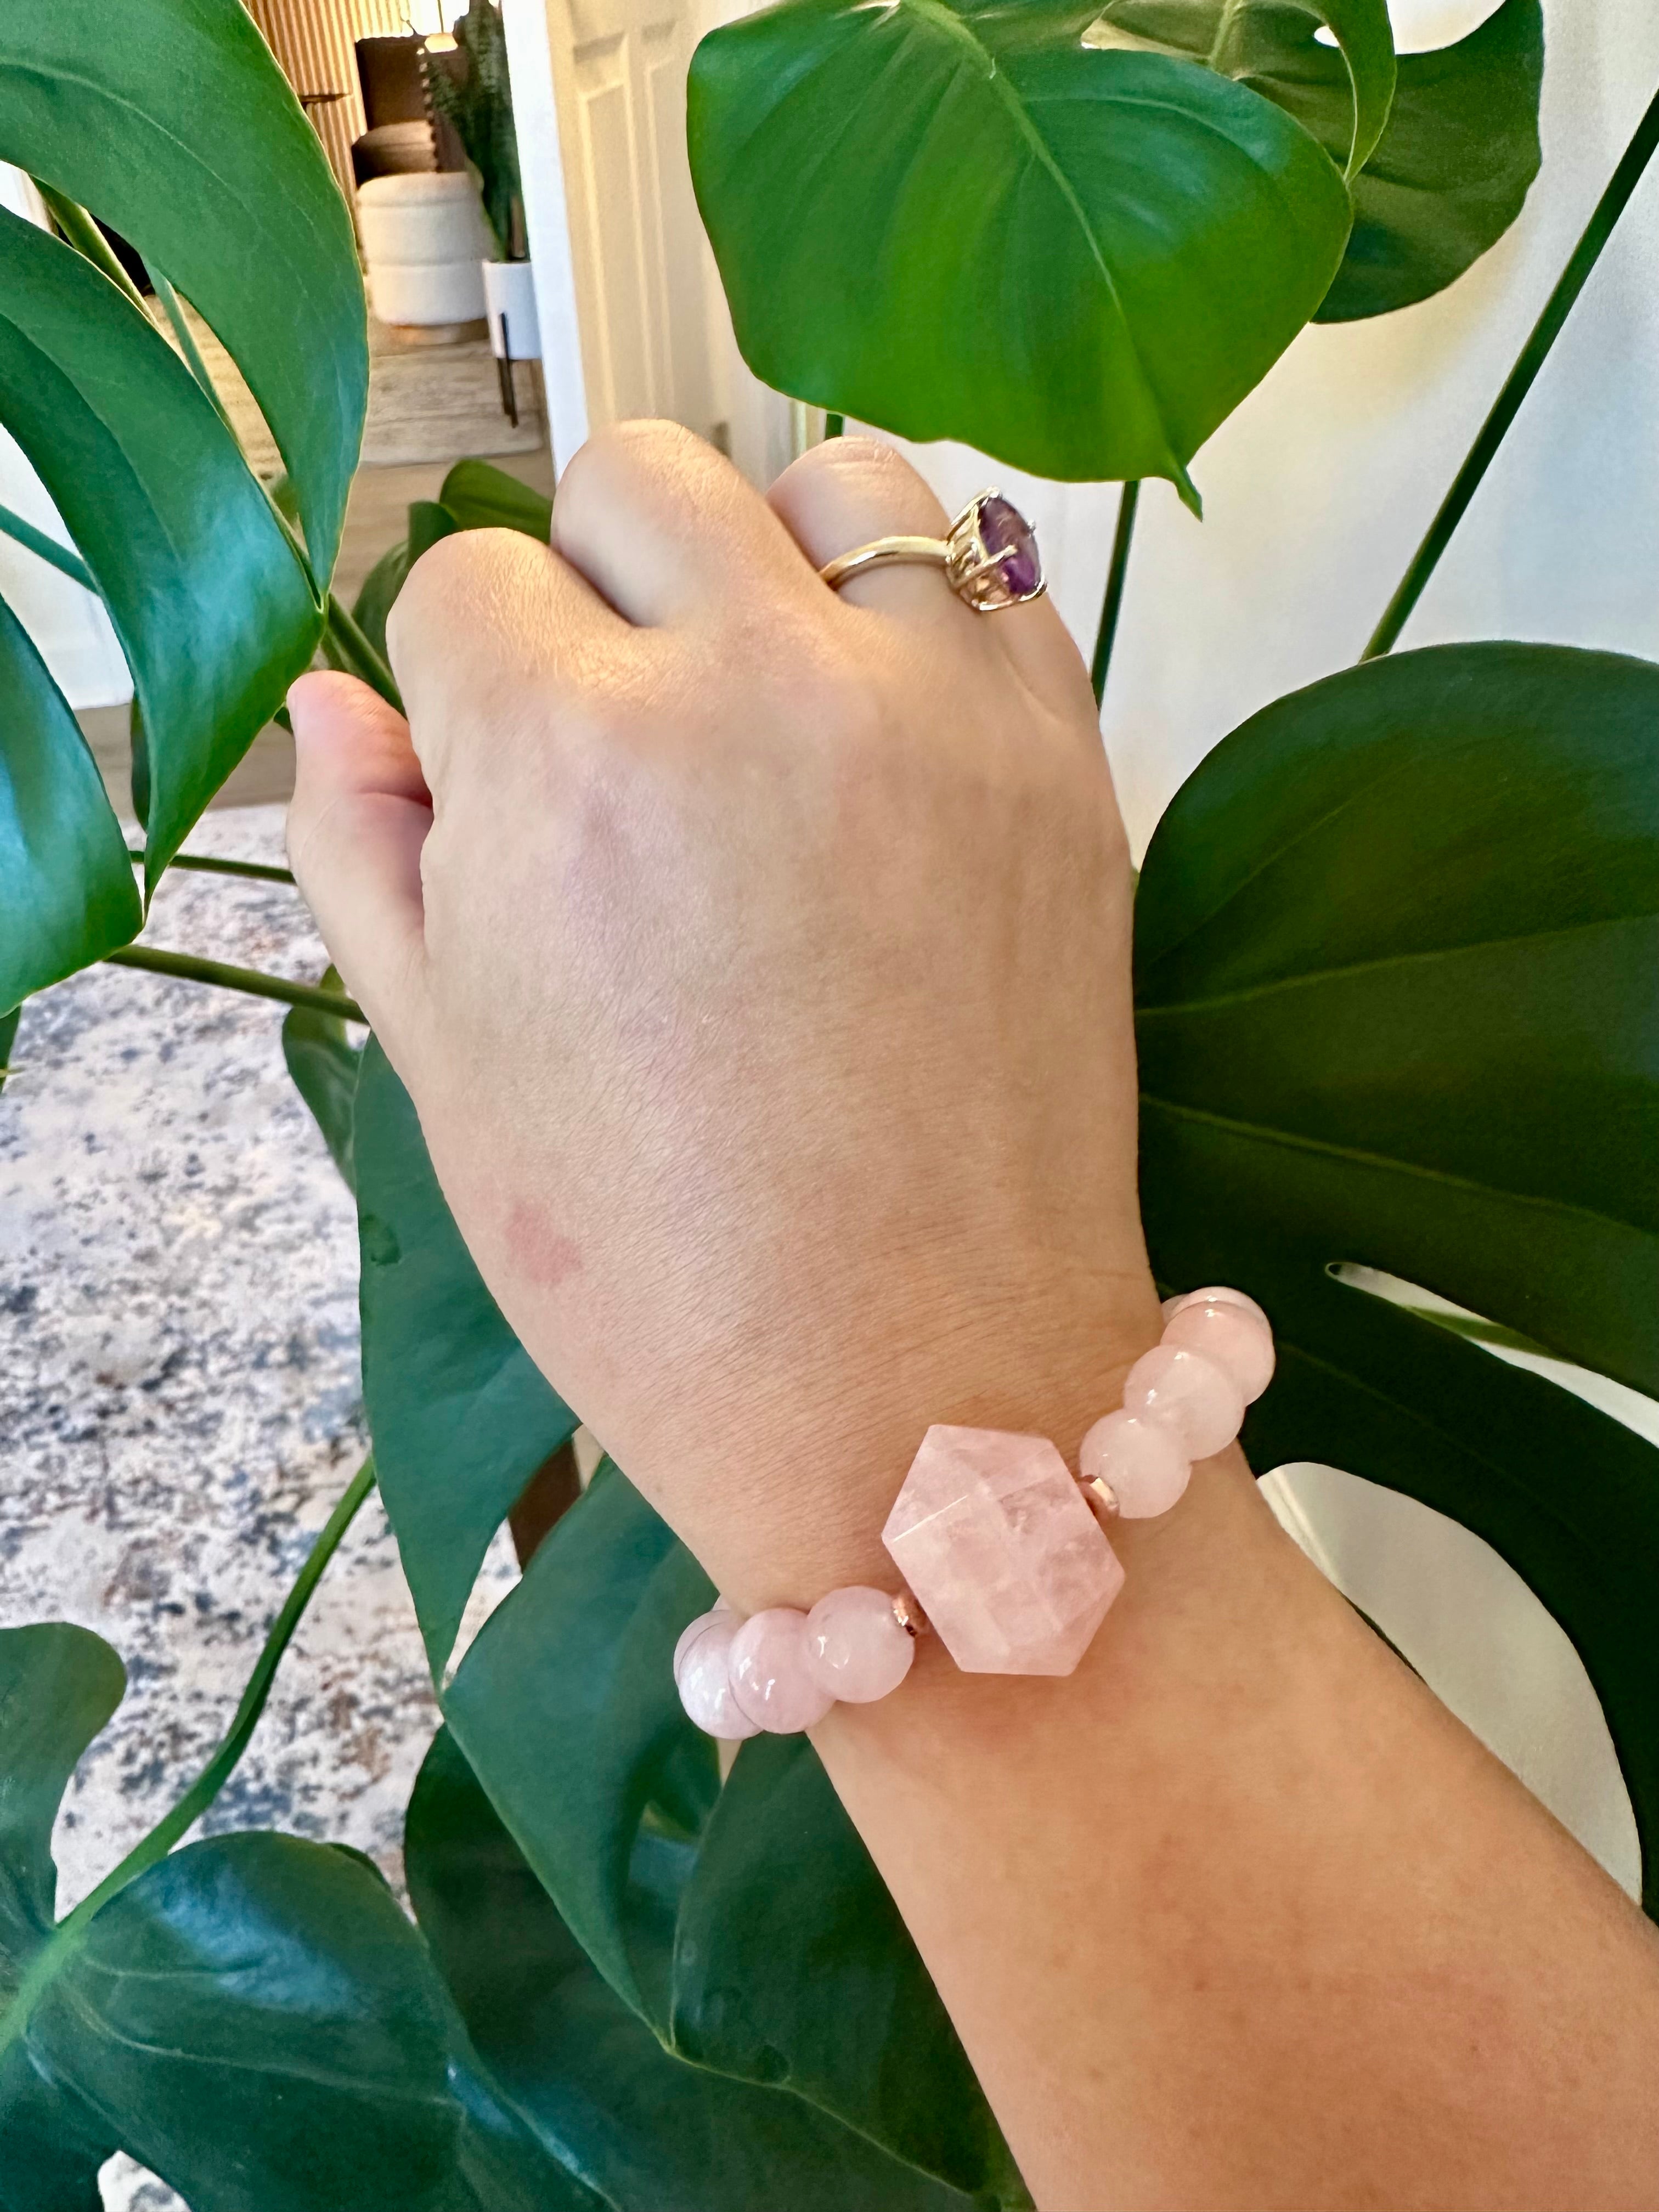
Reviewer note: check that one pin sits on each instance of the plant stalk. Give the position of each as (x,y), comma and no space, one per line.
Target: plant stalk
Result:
(37,541)
(1116,575)
(213,1775)
(834,424)
(187,346)
(257,985)
(84,235)
(1519,382)
(207,864)
(359,653)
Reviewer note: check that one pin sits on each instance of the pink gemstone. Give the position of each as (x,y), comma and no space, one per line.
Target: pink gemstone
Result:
(1218,1294)
(1202,1404)
(772,1678)
(854,1645)
(702,1677)
(1239,1343)
(693,1629)
(1003,1553)
(1141,1462)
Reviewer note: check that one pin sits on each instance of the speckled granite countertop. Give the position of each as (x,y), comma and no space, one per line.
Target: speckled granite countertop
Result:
(180,1401)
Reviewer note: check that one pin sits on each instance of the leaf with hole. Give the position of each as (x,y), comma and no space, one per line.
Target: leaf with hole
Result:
(954,219)
(177,127)
(210,603)
(460,1416)
(1394,949)
(710,1921)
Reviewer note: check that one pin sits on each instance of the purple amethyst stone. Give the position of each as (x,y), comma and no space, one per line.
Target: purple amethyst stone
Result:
(1006,533)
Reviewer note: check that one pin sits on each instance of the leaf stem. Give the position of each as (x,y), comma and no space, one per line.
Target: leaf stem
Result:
(1519,382)
(84,235)
(254,981)
(357,653)
(187,346)
(213,1775)
(37,541)
(208,864)
(1116,575)
(834,424)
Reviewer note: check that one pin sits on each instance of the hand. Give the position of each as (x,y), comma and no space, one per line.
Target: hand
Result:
(758,960)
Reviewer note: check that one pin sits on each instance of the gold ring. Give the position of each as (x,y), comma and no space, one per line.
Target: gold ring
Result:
(990,558)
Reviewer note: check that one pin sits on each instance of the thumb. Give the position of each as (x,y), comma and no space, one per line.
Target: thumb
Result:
(359,818)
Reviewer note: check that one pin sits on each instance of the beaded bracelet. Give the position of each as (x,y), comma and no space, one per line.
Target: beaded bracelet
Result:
(1003,1551)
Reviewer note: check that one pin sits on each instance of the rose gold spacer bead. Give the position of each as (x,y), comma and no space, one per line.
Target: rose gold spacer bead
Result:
(909,1615)
(1102,1498)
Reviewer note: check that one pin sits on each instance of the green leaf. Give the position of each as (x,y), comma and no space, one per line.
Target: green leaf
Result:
(1451,171)
(1394,951)
(460,1416)
(566,1709)
(8,1042)
(643,2128)
(323,1062)
(428,521)
(177,125)
(483,497)
(1268,44)
(952,218)
(210,601)
(67,895)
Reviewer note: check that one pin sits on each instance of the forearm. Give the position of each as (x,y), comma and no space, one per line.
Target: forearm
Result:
(1237,1914)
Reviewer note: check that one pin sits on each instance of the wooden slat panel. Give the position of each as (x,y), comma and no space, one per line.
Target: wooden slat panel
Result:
(313,40)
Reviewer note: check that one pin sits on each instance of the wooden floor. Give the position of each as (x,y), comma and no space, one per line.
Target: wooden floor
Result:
(376,517)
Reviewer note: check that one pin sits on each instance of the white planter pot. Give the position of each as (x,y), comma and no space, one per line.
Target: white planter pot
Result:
(509,288)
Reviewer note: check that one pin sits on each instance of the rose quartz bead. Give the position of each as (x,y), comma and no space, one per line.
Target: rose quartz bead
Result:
(1199,1400)
(1004,1555)
(693,1629)
(1239,1343)
(1218,1294)
(771,1679)
(1141,1462)
(854,1645)
(702,1677)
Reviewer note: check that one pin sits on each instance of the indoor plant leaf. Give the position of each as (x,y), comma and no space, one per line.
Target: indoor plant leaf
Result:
(642,2127)
(1394,949)
(428,521)
(323,1061)
(252,2017)
(1451,171)
(481,497)
(953,219)
(1262,43)
(67,894)
(212,607)
(566,1709)
(460,1416)
(175,124)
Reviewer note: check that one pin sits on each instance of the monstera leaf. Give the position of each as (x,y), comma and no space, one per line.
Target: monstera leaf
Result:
(177,125)
(954,219)
(1437,175)
(460,1415)
(710,1916)
(1394,950)
(252,2017)
(639,2124)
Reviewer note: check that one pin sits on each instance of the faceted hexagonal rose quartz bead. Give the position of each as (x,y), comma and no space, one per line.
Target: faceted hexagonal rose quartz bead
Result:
(855,1647)
(1005,1556)
(1241,1345)
(1199,1400)
(702,1675)
(771,1680)
(1142,1463)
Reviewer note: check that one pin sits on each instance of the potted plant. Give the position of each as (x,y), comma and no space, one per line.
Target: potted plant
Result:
(630,1980)
(470,89)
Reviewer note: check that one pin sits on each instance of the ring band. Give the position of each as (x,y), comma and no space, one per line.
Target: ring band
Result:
(990,558)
